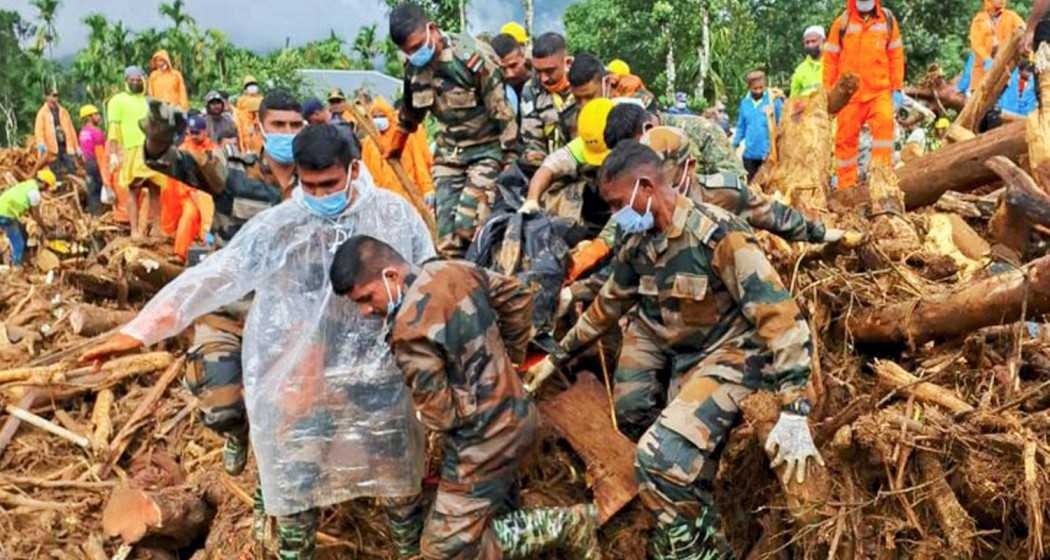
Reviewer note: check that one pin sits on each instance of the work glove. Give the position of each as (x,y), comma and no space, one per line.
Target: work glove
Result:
(846,238)
(898,100)
(564,302)
(539,373)
(41,149)
(163,123)
(397,145)
(529,208)
(790,444)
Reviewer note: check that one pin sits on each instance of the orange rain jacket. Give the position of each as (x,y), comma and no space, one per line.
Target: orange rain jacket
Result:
(245,114)
(44,131)
(415,158)
(987,34)
(167,85)
(870,49)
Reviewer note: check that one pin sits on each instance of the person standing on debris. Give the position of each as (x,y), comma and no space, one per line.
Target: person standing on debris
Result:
(457,80)
(92,143)
(15,202)
(547,106)
(457,332)
(809,75)
(165,82)
(330,417)
(220,124)
(990,29)
(416,158)
(714,310)
(246,115)
(125,141)
(56,139)
(866,42)
(759,115)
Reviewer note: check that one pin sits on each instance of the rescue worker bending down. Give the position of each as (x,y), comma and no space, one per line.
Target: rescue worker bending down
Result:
(715,313)
(457,331)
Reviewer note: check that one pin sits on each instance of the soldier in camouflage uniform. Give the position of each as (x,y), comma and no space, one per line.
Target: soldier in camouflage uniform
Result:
(544,101)
(712,312)
(457,331)
(457,80)
(242,186)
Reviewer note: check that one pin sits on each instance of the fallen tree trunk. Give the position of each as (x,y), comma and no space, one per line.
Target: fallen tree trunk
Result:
(995,300)
(805,501)
(171,517)
(1021,206)
(581,416)
(151,268)
(90,320)
(989,91)
(945,94)
(960,167)
(1038,131)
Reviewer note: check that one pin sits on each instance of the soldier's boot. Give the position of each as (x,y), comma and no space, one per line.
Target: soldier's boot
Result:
(258,516)
(297,535)
(235,453)
(692,540)
(527,533)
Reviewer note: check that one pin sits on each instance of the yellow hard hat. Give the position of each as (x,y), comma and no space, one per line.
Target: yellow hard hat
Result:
(47,176)
(514,29)
(942,123)
(618,67)
(248,80)
(88,110)
(591,128)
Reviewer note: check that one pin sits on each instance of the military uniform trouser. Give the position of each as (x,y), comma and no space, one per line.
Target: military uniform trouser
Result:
(465,195)
(639,390)
(217,381)
(460,523)
(677,458)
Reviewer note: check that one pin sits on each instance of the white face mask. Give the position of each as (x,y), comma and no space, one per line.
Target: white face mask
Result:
(865,5)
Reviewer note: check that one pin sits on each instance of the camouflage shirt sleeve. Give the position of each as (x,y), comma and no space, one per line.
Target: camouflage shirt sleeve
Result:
(422,362)
(617,296)
(716,153)
(766,213)
(513,304)
(768,306)
(495,97)
(409,117)
(534,142)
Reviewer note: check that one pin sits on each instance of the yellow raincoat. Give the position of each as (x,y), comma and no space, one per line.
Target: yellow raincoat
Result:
(987,34)
(416,158)
(167,85)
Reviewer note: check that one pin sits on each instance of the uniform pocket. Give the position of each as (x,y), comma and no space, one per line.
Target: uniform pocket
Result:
(647,286)
(423,98)
(460,98)
(690,292)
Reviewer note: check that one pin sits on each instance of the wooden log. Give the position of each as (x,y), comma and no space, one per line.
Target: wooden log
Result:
(960,166)
(994,300)
(103,424)
(956,524)
(581,416)
(118,368)
(1022,205)
(175,516)
(843,91)
(805,502)
(47,426)
(103,285)
(145,408)
(151,268)
(989,91)
(896,378)
(803,172)
(943,93)
(91,320)
(1038,124)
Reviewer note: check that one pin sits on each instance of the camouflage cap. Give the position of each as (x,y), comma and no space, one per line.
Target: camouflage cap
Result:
(671,143)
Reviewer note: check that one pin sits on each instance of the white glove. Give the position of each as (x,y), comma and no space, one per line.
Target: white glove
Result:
(564,302)
(847,238)
(529,207)
(791,443)
(539,373)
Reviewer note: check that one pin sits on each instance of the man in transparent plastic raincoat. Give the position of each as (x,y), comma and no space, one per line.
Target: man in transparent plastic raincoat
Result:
(329,414)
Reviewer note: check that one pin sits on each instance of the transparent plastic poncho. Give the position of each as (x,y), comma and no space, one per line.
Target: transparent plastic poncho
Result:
(330,416)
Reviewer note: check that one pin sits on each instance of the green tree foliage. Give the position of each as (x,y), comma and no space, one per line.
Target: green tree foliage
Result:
(748,34)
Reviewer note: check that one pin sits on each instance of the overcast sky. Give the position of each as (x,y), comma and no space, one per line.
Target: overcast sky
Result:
(263,25)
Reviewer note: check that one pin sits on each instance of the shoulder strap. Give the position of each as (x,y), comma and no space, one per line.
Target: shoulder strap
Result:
(891,22)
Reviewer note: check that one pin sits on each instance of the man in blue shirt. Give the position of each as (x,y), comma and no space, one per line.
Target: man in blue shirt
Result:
(1019,98)
(759,115)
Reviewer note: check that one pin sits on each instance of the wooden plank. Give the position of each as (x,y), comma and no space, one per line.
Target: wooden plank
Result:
(581,416)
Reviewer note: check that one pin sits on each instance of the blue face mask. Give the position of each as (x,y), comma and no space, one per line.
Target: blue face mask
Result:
(330,205)
(382,123)
(423,54)
(279,146)
(392,304)
(629,220)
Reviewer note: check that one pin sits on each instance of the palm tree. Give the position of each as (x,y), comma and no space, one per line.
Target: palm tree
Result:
(47,34)
(176,14)
(366,46)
